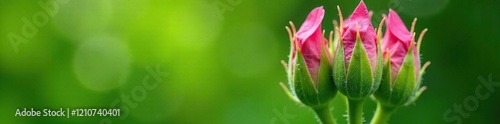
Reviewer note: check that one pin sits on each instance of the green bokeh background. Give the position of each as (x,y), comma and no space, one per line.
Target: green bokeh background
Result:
(223,67)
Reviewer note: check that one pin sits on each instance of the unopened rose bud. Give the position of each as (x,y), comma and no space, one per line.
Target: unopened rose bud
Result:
(357,62)
(402,73)
(310,67)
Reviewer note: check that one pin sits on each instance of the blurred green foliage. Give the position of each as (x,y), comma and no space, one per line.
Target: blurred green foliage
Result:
(223,66)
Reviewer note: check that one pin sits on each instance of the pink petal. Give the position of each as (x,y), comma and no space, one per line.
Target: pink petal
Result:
(396,26)
(397,40)
(310,39)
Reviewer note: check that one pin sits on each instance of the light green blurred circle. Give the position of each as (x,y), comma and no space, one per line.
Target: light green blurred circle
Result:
(192,24)
(102,63)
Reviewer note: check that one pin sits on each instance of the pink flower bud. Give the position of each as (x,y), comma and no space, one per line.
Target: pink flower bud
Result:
(309,40)
(357,61)
(401,80)
(360,21)
(397,41)
(309,68)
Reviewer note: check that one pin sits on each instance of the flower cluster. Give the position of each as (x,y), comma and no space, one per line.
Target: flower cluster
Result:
(357,62)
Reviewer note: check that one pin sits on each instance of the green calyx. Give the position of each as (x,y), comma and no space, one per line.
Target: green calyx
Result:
(359,80)
(402,90)
(312,93)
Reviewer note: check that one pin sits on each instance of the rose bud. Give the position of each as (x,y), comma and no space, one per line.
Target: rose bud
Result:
(402,76)
(357,68)
(309,67)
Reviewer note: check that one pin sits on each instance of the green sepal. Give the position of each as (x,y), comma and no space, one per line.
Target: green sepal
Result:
(289,93)
(418,90)
(384,92)
(326,86)
(359,74)
(405,82)
(303,83)
(379,66)
(416,95)
(339,69)
(334,43)
(310,93)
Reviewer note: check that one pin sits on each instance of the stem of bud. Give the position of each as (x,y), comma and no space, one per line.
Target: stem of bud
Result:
(355,111)
(324,114)
(382,114)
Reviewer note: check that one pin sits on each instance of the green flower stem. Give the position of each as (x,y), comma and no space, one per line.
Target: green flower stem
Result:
(382,114)
(355,111)
(324,114)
